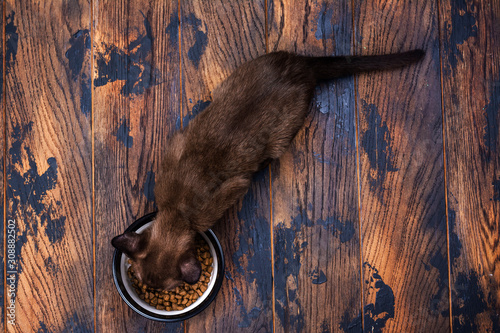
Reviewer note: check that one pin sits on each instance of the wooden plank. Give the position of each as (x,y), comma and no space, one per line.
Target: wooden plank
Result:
(218,36)
(49,189)
(136,104)
(3,224)
(471,94)
(314,185)
(404,248)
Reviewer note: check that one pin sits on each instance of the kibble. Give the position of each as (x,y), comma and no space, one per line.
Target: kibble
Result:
(183,296)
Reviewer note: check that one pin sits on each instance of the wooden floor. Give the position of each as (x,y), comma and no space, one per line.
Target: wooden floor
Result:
(383,216)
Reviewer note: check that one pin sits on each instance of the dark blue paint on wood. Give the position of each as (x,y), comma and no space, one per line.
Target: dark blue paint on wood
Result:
(325,328)
(30,188)
(324,27)
(463,26)
(435,220)
(149,186)
(340,32)
(317,276)
(287,252)
(321,101)
(2,272)
(195,110)
(469,302)
(455,244)
(376,142)
(492,127)
(254,249)
(11,40)
(86,94)
(146,42)
(27,190)
(201,40)
(51,267)
(122,134)
(320,158)
(54,228)
(132,65)
(172,29)
(72,324)
(75,324)
(246,317)
(43,328)
(80,43)
(21,239)
(439,301)
(18,134)
(496,190)
(228,275)
(343,229)
(376,314)
(199,107)
(80,49)
(351,326)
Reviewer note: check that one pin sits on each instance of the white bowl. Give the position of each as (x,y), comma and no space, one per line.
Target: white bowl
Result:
(128,294)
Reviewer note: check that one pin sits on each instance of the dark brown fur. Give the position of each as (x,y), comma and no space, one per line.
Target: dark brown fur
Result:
(208,166)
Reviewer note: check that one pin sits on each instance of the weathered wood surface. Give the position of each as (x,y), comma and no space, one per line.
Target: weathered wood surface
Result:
(3,224)
(314,185)
(471,94)
(48,158)
(135,105)
(88,110)
(403,221)
(218,36)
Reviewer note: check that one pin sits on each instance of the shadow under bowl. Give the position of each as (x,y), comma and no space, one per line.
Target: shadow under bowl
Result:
(128,294)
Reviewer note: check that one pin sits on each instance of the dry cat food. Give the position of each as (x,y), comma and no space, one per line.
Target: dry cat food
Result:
(182,296)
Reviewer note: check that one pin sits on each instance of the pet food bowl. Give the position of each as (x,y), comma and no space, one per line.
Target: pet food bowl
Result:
(128,294)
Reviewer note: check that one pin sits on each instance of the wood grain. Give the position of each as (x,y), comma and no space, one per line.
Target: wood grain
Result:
(49,189)
(3,233)
(471,94)
(121,82)
(136,104)
(402,192)
(314,185)
(218,36)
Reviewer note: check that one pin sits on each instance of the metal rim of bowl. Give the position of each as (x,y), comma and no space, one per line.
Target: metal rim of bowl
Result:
(167,318)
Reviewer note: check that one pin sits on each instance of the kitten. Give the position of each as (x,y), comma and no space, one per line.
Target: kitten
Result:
(208,166)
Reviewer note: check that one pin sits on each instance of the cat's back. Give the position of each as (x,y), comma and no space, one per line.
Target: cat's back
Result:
(254,115)
(261,96)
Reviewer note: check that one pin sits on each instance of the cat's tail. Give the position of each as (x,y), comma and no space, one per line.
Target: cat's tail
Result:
(326,68)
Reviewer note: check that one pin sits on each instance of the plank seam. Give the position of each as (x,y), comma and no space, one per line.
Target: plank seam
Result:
(271,219)
(443,133)
(266,32)
(179,42)
(4,104)
(92,135)
(180,58)
(358,171)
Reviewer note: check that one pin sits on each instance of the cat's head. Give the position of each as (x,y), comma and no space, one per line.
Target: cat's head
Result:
(161,257)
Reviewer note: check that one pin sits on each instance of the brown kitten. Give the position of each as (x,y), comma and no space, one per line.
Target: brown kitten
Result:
(208,166)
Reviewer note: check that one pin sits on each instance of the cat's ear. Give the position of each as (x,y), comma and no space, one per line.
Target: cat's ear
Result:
(129,243)
(190,269)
